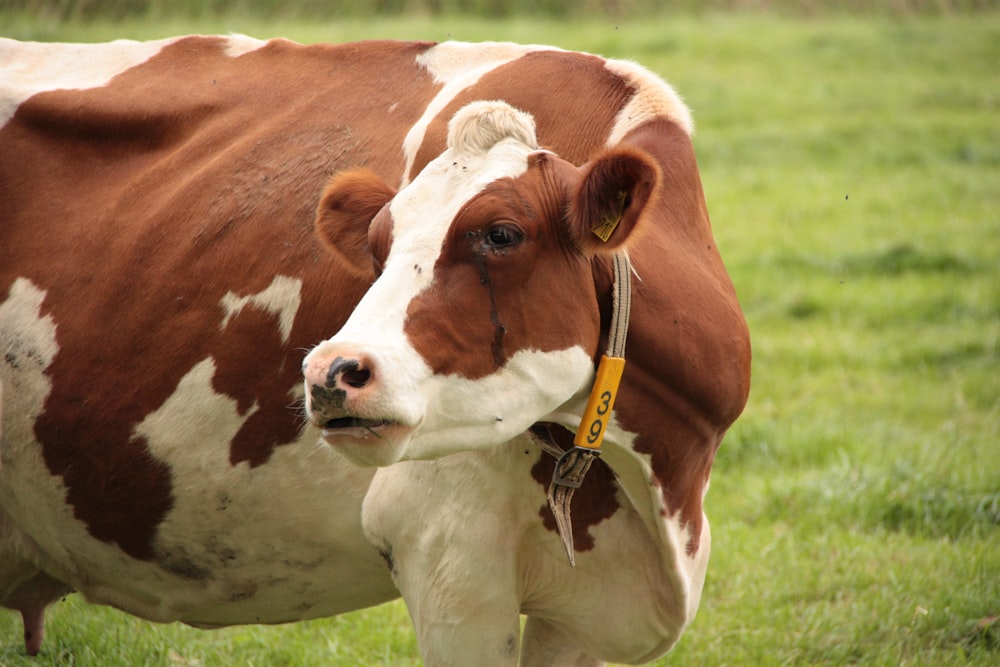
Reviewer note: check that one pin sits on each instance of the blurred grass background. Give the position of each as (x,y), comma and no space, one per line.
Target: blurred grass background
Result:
(119,9)
(851,158)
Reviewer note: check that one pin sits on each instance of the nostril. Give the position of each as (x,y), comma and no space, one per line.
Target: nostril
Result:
(356,378)
(349,372)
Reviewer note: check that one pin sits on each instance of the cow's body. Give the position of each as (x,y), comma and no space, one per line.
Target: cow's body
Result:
(160,283)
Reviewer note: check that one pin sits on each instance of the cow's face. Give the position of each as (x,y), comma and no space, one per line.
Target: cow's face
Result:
(484,316)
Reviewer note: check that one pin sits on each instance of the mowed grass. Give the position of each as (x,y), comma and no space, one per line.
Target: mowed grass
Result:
(852,168)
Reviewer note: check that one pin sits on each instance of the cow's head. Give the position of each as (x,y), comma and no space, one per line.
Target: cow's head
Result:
(484,317)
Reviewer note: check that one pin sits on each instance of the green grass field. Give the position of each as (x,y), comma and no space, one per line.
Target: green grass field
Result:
(852,168)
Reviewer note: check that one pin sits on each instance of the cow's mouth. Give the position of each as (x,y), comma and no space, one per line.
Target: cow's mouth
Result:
(356,422)
(367,442)
(357,429)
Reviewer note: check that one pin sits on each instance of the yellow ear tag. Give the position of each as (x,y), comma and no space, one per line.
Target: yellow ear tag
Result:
(607,227)
(601,401)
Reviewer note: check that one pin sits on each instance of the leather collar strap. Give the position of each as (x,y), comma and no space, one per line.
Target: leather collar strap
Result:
(573,464)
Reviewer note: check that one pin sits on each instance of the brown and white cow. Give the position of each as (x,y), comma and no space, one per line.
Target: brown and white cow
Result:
(161,283)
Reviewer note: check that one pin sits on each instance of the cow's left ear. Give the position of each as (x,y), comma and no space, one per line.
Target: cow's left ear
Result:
(616,189)
(349,202)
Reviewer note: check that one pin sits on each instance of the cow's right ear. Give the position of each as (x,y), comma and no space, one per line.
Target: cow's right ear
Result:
(349,202)
(612,198)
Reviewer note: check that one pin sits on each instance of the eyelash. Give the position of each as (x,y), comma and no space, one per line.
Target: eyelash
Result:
(502,236)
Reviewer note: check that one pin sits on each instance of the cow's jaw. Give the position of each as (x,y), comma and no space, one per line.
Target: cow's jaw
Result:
(447,414)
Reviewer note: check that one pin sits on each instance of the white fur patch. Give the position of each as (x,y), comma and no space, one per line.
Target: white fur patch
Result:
(238,45)
(195,412)
(621,601)
(479,126)
(457,66)
(34,67)
(29,68)
(473,414)
(637,481)
(28,490)
(282,297)
(487,141)
(654,98)
(449,61)
(272,538)
(27,348)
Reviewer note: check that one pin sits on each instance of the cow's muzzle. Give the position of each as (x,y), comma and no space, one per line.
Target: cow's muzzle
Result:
(339,396)
(333,386)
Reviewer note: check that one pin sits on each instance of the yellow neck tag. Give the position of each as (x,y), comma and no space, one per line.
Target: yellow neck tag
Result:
(590,435)
(607,227)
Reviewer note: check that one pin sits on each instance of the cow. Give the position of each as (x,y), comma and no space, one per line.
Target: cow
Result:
(290,330)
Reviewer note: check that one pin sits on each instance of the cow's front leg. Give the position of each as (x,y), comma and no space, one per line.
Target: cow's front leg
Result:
(544,645)
(458,624)
(452,554)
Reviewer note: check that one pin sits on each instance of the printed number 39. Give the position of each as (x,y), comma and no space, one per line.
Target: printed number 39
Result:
(597,425)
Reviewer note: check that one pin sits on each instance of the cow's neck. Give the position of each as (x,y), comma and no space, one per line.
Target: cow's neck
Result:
(574,462)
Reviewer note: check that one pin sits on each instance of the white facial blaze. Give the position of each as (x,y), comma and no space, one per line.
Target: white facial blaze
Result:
(478,154)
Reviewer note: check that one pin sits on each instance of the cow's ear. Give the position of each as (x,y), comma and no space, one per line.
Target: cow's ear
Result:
(610,200)
(349,202)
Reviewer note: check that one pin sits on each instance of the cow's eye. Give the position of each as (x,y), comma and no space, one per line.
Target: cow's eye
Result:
(503,236)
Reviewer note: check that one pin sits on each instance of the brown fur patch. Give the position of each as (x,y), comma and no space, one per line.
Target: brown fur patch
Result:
(595,501)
